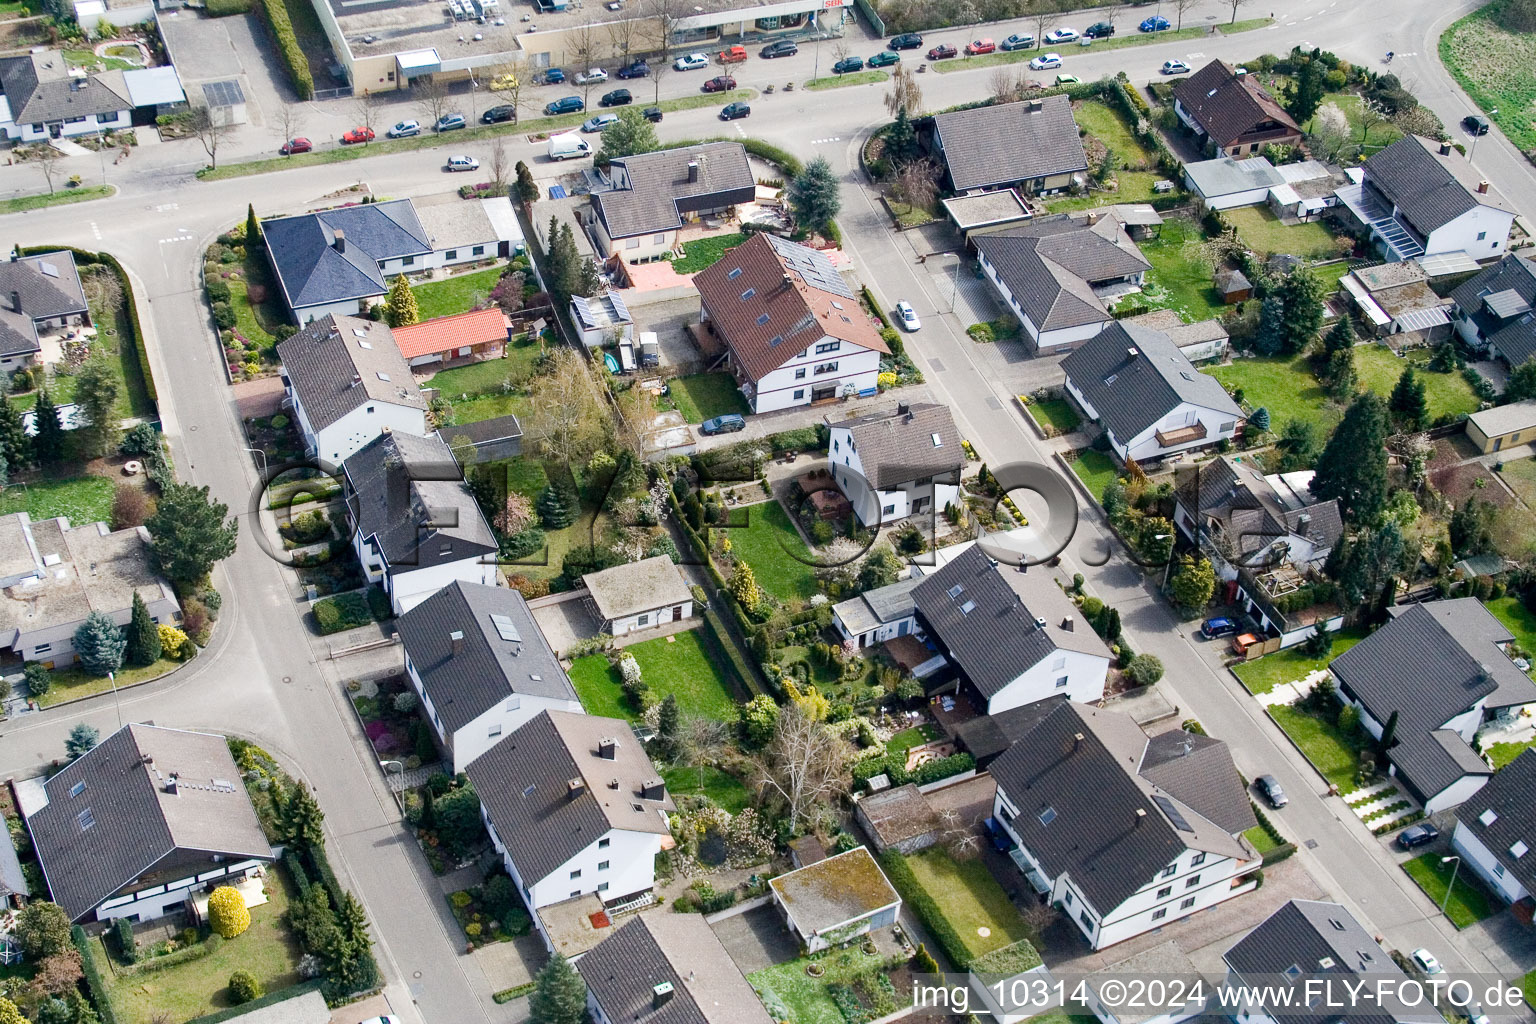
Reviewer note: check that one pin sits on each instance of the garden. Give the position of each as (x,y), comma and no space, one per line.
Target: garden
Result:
(1293,664)
(703,253)
(1095,469)
(456,294)
(352,609)
(703,396)
(1262,232)
(1108,136)
(1054,416)
(1469,901)
(840,986)
(959,901)
(1336,753)
(445,812)
(388,710)
(1181,278)
(490,912)
(247,303)
(80,499)
(683,665)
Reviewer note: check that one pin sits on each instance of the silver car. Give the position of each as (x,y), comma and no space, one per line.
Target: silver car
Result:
(908,317)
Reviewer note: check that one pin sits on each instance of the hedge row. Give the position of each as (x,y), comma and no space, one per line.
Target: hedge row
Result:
(281,995)
(275,12)
(1283,848)
(93,979)
(928,909)
(715,630)
(224,8)
(181,956)
(893,767)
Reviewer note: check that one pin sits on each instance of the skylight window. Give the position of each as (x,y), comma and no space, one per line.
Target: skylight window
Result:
(365,344)
(359,332)
(762,318)
(85,819)
(384,377)
(938,442)
(748,294)
(734,274)
(1048,815)
(836,304)
(956,590)
(1488,817)
(776,341)
(968,607)
(528,792)
(506,629)
(77,789)
(1293,971)
(1519,849)
(1110,379)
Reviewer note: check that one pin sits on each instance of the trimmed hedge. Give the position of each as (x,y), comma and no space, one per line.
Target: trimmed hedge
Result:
(928,910)
(224,8)
(715,628)
(281,995)
(786,161)
(93,982)
(181,956)
(893,766)
(275,14)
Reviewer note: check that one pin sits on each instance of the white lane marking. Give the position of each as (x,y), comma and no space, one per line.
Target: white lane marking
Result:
(96,230)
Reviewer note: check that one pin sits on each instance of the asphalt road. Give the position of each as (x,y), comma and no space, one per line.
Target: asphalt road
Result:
(265,677)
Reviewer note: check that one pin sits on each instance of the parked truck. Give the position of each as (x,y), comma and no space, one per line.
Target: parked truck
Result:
(568,146)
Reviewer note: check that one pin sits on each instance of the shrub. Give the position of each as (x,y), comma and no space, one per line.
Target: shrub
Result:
(226,912)
(1145,669)
(225,8)
(127,946)
(243,987)
(195,620)
(275,13)
(39,680)
(217,289)
(223,315)
(405,702)
(175,644)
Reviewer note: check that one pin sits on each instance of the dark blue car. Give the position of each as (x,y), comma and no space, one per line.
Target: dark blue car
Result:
(1213,628)
(727,424)
(554,76)
(1154,24)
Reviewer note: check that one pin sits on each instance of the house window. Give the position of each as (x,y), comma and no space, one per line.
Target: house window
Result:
(1061,681)
(632,243)
(370,410)
(451,254)
(1498,869)
(888,510)
(602,886)
(1197,860)
(1482,235)
(1187,903)
(602,865)
(1165,892)
(1489,816)
(1228,427)
(1067,898)
(822,368)
(829,346)
(643,620)
(77,789)
(1159,913)
(1193,881)
(478,250)
(602,844)
(1059,664)
(799,394)
(748,294)
(834,445)
(575,893)
(494,730)
(1169,870)
(80,120)
(408,261)
(661,238)
(1087,919)
(42,648)
(800,373)
(576,873)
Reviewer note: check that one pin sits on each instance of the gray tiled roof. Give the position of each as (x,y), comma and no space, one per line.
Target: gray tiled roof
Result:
(1008,142)
(39,88)
(488,668)
(1511,796)
(1228,105)
(1082,762)
(523,784)
(313,271)
(1131,395)
(1514,337)
(1429,189)
(834,891)
(680,950)
(1252,515)
(986,736)
(652,192)
(633,587)
(876,607)
(1051,263)
(47,286)
(339,363)
(408,493)
(1199,771)
(897,447)
(137,825)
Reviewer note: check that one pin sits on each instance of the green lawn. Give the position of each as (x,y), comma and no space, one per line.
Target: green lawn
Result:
(1329,274)
(1289,666)
(1097,470)
(1334,756)
(1521,477)
(201,986)
(597,684)
(527,477)
(1497,68)
(1261,840)
(1516,617)
(1282,384)
(766,539)
(87,59)
(702,253)
(703,396)
(457,294)
(1262,232)
(1180,278)
(1448,393)
(62,197)
(1528,984)
(1469,902)
(1104,123)
(81,499)
(683,668)
(856,78)
(73,683)
(1055,412)
(725,789)
(1503,753)
(492,376)
(794,996)
(915,737)
(970,899)
(1130,187)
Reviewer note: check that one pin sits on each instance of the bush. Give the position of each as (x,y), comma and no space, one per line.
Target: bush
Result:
(225,8)
(223,315)
(217,289)
(243,987)
(275,14)
(39,680)
(226,912)
(1145,669)
(127,946)
(928,909)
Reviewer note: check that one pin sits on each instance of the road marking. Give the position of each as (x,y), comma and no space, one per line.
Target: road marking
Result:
(1195,56)
(938,367)
(1309,17)
(741,131)
(95,230)
(820,142)
(163,207)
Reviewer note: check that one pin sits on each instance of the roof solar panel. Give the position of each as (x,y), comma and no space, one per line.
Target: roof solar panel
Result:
(1173,813)
(505,628)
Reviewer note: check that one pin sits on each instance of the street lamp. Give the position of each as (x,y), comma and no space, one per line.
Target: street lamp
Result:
(112,678)
(399,765)
(1446,860)
(1169,567)
(258,451)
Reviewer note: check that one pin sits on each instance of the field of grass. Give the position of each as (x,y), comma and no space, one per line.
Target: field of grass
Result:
(491,376)
(597,684)
(1104,123)
(80,499)
(725,789)
(970,899)
(856,78)
(1469,902)
(1516,617)
(457,294)
(766,539)
(1180,278)
(1289,666)
(1057,413)
(1379,369)
(63,197)
(1097,470)
(798,998)
(1497,68)
(703,396)
(1282,384)
(1261,840)
(1130,38)
(1521,477)
(682,667)
(703,253)
(73,683)
(1331,753)
(1262,232)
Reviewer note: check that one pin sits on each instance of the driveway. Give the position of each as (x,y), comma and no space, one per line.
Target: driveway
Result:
(757,939)
(567,622)
(218,49)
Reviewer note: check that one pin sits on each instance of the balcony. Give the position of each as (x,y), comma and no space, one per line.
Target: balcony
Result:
(1374,212)
(1181,435)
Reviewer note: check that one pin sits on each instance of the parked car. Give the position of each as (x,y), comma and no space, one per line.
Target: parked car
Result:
(568,146)
(1213,628)
(616,98)
(298,145)
(848,65)
(1475,123)
(592,75)
(599,122)
(1099,30)
(727,424)
(908,316)
(1019,41)
(691,62)
(733,55)
(1067,80)
(449,123)
(1417,835)
(780,48)
(1045,62)
(979,46)
(1269,786)
(1426,961)
(1001,841)
(404,130)
(1061,35)
(884,58)
(942,51)
(652,114)
(635,69)
(1240,644)
(720,83)
(362,133)
(732,111)
(907,41)
(1175,67)
(565,105)
(1154,24)
(554,76)
(496,115)
(462,163)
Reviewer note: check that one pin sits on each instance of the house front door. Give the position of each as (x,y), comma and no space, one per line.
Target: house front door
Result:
(1497,444)
(824,394)
(677,611)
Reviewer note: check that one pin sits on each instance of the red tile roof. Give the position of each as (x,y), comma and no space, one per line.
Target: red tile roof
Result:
(443,333)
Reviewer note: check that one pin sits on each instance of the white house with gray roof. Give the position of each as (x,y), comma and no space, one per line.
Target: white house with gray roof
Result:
(39,295)
(481,665)
(1496,830)
(876,616)
(44,97)
(898,463)
(1147,395)
(667,969)
(1244,519)
(652,195)
(347,384)
(639,595)
(1033,144)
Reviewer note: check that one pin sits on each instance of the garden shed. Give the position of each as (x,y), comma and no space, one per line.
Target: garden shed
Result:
(899,819)
(835,900)
(1233,285)
(639,595)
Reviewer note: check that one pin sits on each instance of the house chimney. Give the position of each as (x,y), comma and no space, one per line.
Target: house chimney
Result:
(1093,217)
(786,283)
(1131,354)
(574,788)
(16,300)
(1482,187)
(653,789)
(1066,623)
(457,639)
(171,783)
(356,380)
(607,748)
(1035,104)
(661,995)
(693,172)
(340,241)
(1141,816)
(1445,149)
(1077,740)
(1303,521)
(1039,619)
(903,409)
(1239,72)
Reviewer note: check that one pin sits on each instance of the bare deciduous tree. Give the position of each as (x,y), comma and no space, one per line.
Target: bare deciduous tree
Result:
(701,739)
(1038,918)
(365,108)
(1235,5)
(1372,115)
(1179,7)
(623,38)
(1330,137)
(582,53)
(290,120)
(1002,84)
(102,287)
(210,131)
(1044,13)
(499,165)
(47,160)
(567,421)
(904,94)
(431,95)
(918,183)
(663,16)
(804,766)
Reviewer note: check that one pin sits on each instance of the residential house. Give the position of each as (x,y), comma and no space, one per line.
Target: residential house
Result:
(1231,113)
(602,319)
(500,437)
(834,900)
(1149,398)
(481,666)
(1438,672)
(45,98)
(1165,962)
(794,330)
(55,575)
(1199,341)
(639,595)
(1496,830)
(347,384)
(1225,183)
(137,825)
(899,819)
(1012,635)
(987,736)
(667,969)
(574,806)
(1124,832)
(1032,144)
(446,340)
(1308,948)
(1060,274)
(1244,519)
(1396,300)
(896,464)
(652,195)
(40,297)
(1503,426)
(1419,197)
(876,616)
(1493,310)
(415,526)
(980,213)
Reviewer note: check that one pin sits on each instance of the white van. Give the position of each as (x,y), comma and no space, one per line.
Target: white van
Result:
(568,146)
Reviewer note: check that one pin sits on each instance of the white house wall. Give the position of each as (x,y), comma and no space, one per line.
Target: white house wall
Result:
(1084,673)
(1218,425)
(409,586)
(631,860)
(1480,859)
(86,125)
(1460,235)
(1051,340)
(655,617)
(506,717)
(1456,794)
(345,437)
(345,307)
(782,389)
(466,253)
